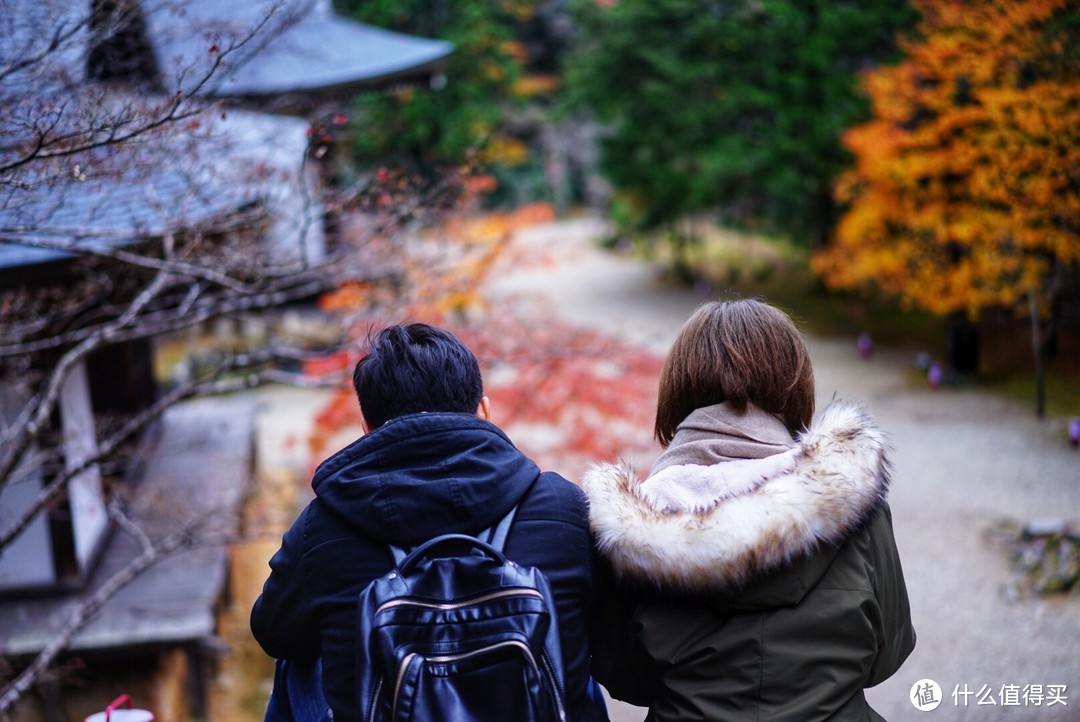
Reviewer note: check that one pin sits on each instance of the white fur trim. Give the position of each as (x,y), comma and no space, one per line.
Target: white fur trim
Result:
(747,519)
(694,488)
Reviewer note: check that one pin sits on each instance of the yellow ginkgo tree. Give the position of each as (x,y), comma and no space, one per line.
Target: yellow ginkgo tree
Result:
(965,192)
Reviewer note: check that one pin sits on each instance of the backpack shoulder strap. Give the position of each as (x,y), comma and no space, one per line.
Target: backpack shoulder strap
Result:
(399,554)
(496,535)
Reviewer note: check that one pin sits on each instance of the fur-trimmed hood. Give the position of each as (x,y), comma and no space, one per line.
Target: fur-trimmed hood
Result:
(693,528)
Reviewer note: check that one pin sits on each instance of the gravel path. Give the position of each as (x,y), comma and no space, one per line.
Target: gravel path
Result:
(964,460)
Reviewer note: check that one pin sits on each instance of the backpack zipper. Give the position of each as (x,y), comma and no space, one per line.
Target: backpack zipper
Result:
(554,686)
(443,659)
(401,678)
(448,658)
(445,606)
(374,704)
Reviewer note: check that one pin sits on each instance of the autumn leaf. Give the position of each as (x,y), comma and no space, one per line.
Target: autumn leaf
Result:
(965,192)
(567,396)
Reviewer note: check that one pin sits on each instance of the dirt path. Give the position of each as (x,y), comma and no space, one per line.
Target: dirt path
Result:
(963,461)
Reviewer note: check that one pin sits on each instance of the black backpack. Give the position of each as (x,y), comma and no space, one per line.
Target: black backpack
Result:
(458,632)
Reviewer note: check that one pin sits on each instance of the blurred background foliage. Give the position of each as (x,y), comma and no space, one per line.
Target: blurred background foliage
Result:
(735,108)
(909,168)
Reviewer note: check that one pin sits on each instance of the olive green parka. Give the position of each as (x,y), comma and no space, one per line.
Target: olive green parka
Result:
(757,589)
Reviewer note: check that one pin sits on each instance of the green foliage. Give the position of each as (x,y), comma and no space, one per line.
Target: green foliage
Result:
(736,106)
(425,126)
(732,263)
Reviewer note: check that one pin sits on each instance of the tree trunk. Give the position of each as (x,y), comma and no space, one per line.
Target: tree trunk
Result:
(826,212)
(682,267)
(1036,350)
(963,345)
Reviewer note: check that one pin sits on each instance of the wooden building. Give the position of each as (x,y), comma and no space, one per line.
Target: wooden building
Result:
(158,634)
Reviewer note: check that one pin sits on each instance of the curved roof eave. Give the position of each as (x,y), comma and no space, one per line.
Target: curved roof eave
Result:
(317,51)
(324,53)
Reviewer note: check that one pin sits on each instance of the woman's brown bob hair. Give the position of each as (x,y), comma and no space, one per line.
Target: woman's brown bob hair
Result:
(741,351)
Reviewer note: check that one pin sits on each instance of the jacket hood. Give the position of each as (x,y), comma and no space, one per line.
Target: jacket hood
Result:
(425,474)
(691,528)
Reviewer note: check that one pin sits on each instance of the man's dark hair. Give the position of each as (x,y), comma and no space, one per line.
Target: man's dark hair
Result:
(407,369)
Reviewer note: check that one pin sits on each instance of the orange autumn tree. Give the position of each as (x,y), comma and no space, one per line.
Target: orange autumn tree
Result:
(566,396)
(964,194)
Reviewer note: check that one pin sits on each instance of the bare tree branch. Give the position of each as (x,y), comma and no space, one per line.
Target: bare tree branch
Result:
(89,607)
(43,406)
(274,287)
(67,34)
(130,121)
(77,245)
(163,209)
(217,383)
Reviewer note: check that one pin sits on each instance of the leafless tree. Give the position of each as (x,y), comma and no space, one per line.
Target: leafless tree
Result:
(133,208)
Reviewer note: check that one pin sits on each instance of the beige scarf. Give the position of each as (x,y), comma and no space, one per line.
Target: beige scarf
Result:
(720,433)
(718,453)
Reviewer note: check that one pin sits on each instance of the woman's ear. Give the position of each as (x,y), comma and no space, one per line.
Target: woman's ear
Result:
(484,409)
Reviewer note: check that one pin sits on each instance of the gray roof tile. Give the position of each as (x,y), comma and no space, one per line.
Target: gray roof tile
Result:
(305,47)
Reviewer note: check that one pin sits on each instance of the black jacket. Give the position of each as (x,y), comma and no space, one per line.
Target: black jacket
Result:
(411,479)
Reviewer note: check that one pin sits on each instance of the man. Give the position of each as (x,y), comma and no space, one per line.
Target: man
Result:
(430,463)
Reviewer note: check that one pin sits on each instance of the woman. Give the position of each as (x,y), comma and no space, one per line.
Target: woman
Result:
(753,574)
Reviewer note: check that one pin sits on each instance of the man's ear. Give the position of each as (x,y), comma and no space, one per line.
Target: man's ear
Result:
(364,423)
(484,409)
